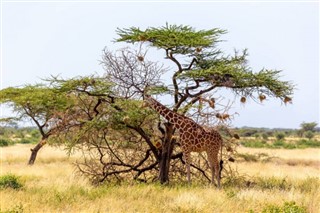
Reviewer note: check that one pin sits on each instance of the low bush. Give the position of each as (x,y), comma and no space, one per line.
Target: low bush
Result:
(301,144)
(5,142)
(254,143)
(287,207)
(25,141)
(308,143)
(10,181)
(278,143)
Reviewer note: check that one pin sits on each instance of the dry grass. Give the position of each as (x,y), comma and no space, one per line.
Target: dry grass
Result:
(292,163)
(51,185)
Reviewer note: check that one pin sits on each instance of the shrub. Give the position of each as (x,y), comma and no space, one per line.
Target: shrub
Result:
(10,181)
(265,136)
(254,144)
(309,135)
(287,207)
(5,142)
(280,136)
(25,141)
(308,143)
(35,133)
(279,143)
(289,146)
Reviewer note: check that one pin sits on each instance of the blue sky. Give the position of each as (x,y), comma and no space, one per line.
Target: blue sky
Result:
(47,38)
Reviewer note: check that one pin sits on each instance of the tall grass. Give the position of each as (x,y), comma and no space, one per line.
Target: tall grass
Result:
(52,185)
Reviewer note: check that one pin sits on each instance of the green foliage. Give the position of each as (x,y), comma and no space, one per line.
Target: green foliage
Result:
(132,114)
(280,136)
(25,141)
(35,133)
(308,126)
(178,38)
(5,142)
(308,143)
(38,102)
(24,135)
(253,143)
(265,136)
(287,207)
(244,81)
(278,143)
(91,85)
(211,65)
(309,134)
(10,181)
(300,144)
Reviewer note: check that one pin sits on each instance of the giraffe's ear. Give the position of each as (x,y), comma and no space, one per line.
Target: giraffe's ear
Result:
(144,104)
(145,90)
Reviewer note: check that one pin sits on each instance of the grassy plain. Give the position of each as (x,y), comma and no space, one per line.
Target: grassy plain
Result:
(52,185)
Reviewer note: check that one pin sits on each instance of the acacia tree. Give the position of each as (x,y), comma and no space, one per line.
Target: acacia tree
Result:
(37,103)
(200,70)
(119,138)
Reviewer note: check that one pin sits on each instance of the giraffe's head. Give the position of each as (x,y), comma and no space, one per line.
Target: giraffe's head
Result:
(146,100)
(146,97)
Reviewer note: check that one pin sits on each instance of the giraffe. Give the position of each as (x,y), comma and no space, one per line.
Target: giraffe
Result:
(193,138)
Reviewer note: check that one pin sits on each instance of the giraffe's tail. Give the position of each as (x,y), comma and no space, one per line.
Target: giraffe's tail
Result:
(221,167)
(221,161)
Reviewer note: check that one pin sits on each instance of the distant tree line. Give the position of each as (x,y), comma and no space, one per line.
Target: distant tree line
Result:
(307,129)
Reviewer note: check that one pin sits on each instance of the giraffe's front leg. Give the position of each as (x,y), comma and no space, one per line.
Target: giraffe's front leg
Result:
(217,171)
(187,159)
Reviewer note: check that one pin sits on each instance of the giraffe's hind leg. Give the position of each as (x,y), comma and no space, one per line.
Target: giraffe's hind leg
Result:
(215,167)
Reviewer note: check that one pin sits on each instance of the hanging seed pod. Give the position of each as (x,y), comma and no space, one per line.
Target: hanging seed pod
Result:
(144,104)
(229,149)
(225,116)
(243,100)
(142,38)
(262,97)
(125,119)
(200,105)
(211,103)
(140,58)
(158,145)
(218,115)
(287,100)
(231,159)
(236,136)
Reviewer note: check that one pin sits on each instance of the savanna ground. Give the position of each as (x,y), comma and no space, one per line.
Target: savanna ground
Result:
(282,179)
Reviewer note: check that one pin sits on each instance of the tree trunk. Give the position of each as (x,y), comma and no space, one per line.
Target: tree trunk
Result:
(167,148)
(35,150)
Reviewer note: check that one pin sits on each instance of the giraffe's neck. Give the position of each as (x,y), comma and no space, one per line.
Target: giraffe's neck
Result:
(173,117)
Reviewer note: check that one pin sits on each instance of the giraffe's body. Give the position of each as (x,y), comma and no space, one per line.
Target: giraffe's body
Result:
(193,137)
